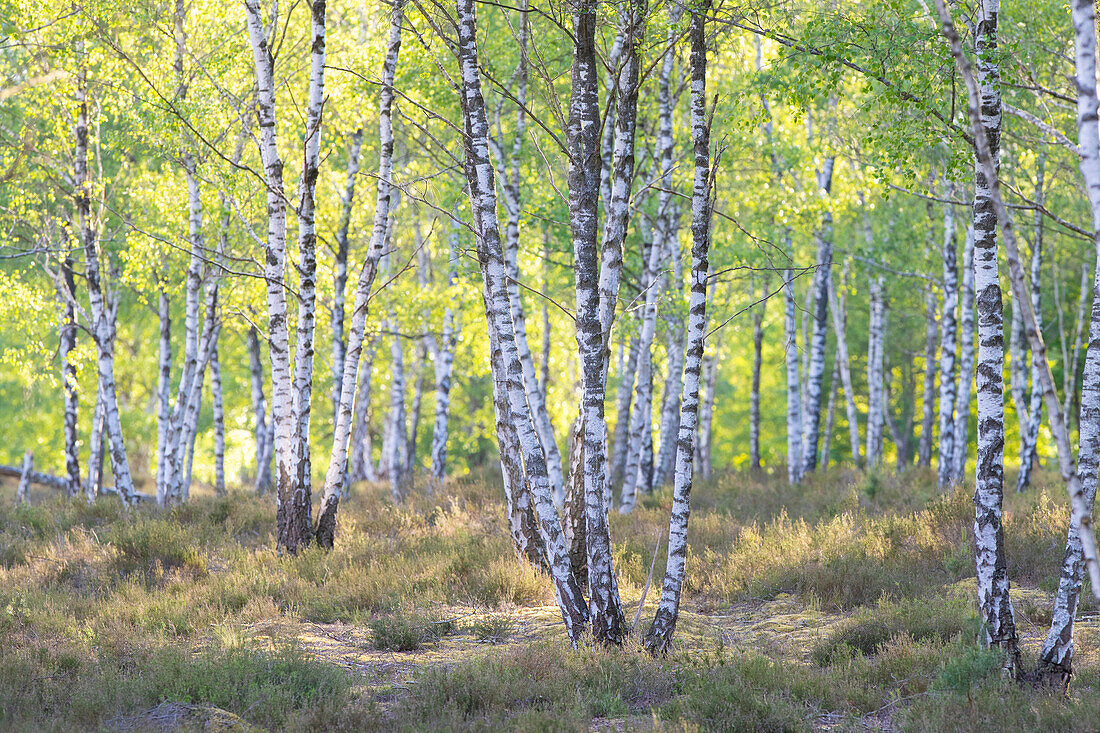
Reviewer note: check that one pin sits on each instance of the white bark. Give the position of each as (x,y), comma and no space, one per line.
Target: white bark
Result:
(815,374)
(795,462)
(508,374)
(340,279)
(259,414)
(840,321)
(444,363)
(928,394)
(292,505)
(336,476)
(966,363)
(1029,454)
(948,342)
(876,404)
(164,390)
(69,386)
(659,635)
(219,423)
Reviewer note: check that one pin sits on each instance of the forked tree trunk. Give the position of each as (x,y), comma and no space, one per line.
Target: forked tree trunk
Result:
(336,475)
(659,635)
(293,528)
(481,186)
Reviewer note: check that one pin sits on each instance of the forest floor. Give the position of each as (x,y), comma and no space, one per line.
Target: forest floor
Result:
(842,604)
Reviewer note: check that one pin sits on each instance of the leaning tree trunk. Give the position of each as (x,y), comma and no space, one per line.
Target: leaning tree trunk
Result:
(928,395)
(293,528)
(659,635)
(948,339)
(1056,657)
(336,476)
(483,202)
(1029,454)
(340,267)
(966,363)
(840,325)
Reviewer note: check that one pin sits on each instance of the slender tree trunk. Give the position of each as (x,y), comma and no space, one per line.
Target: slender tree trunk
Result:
(219,423)
(69,387)
(361,465)
(709,382)
(966,363)
(95,449)
(444,362)
(292,500)
(1069,370)
(663,466)
(164,391)
(1056,657)
(948,340)
(104,308)
(928,395)
(754,396)
(259,414)
(1029,455)
(394,443)
(840,324)
(336,475)
(508,373)
(876,338)
(795,462)
(340,266)
(816,369)
(24,487)
(830,415)
(659,635)
(624,411)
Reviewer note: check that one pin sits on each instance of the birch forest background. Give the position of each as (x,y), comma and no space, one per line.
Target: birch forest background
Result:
(633,365)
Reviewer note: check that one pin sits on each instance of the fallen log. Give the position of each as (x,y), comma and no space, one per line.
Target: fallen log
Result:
(57,482)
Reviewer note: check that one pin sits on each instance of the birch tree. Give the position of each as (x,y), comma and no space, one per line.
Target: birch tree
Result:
(948,340)
(659,635)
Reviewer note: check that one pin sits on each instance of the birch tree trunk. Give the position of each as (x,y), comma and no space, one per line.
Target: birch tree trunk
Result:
(1056,657)
(663,466)
(659,636)
(394,442)
(1029,455)
(816,369)
(624,411)
(830,415)
(709,382)
(69,386)
(875,351)
(104,308)
(754,397)
(840,325)
(994,602)
(948,340)
(508,373)
(597,289)
(1069,370)
(928,395)
(292,500)
(219,423)
(361,466)
(336,475)
(444,362)
(95,449)
(307,270)
(164,391)
(259,413)
(966,363)
(340,279)
(795,463)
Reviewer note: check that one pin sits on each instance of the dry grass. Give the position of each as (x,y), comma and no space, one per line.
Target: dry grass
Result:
(845,602)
